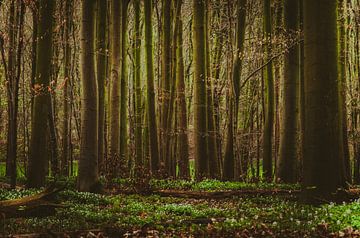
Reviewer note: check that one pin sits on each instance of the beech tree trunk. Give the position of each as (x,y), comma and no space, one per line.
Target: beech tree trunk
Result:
(269,96)
(38,156)
(287,164)
(151,115)
(323,155)
(200,105)
(88,163)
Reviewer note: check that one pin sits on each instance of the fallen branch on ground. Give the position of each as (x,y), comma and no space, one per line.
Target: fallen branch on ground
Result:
(35,205)
(222,194)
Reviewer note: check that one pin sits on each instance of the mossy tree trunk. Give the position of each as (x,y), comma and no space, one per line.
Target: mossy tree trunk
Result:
(101,58)
(229,158)
(124,86)
(115,43)
(151,116)
(200,106)
(16,32)
(323,155)
(38,155)
(165,82)
(137,83)
(269,95)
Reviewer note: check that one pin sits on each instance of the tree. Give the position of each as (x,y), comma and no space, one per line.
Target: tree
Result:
(323,155)
(269,95)
(123,82)
(151,116)
(214,167)
(115,40)
(16,32)
(66,88)
(229,159)
(38,156)
(342,86)
(88,163)
(288,160)
(200,112)
(137,83)
(182,127)
(101,50)
(165,80)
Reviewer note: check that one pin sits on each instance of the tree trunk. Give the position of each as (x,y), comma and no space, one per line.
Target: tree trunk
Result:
(342,87)
(151,115)
(288,160)
(137,83)
(66,89)
(165,81)
(101,50)
(229,159)
(38,156)
(182,128)
(269,96)
(124,88)
(323,155)
(115,43)
(200,112)
(214,168)
(88,163)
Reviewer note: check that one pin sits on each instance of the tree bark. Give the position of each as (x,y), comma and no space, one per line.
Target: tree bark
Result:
(151,115)
(88,163)
(269,96)
(323,155)
(38,156)
(101,60)
(182,128)
(137,83)
(288,160)
(200,112)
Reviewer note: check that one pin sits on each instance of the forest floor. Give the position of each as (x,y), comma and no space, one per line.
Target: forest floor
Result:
(213,209)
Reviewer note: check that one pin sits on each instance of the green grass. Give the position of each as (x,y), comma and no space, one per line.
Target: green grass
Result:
(177,216)
(21,169)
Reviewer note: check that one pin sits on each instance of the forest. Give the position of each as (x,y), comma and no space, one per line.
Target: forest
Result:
(179,118)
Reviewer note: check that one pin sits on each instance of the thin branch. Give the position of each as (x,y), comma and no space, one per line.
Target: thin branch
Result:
(267,63)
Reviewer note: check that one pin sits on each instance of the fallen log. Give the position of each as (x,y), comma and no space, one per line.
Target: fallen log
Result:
(37,205)
(223,194)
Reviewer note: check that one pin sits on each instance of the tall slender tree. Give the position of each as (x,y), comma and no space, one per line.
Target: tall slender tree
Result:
(101,59)
(151,116)
(115,40)
(343,85)
(165,79)
(182,127)
(123,82)
(16,32)
(229,159)
(137,83)
(66,89)
(269,95)
(288,160)
(214,168)
(200,112)
(38,156)
(88,163)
